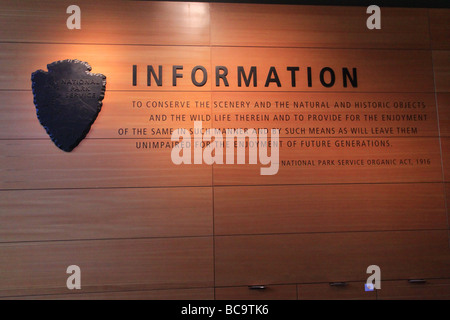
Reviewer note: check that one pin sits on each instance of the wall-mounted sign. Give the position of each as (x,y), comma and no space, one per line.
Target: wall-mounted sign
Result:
(68,99)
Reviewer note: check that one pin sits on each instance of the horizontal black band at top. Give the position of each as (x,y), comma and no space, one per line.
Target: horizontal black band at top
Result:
(358,3)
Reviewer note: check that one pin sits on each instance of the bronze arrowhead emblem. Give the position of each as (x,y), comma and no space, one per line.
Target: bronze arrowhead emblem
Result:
(68,99)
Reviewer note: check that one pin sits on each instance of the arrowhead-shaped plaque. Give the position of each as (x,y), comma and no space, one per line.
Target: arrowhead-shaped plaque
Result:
(68,99)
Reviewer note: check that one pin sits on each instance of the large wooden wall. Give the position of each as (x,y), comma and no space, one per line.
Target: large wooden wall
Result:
(141,227)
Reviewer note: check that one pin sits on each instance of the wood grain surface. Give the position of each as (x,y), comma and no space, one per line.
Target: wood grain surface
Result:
(161,114)
(119,111)
(328,208)
(443,102)
(440,28)
(447,194)
(114,61)
(445,145)
(277,292)
(106,265)
(106,22)
(432,289)
(330,257)
(388,70)
(305,110)
(441,64)
(39,215)
(162,294)
(231,24)
(327,114)
(325,291)
(377,70)
(313,26)
(94,164)
(367,170)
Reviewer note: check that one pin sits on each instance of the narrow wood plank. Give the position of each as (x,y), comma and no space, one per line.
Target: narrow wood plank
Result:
(19,120)
(95,163)
(447,204)
(83,168)
(39,268)
(441,64)
(327,114)
(443,103)
(299,163)
(104,213)
(323,291)
(440,28)
(19,61)
(377,70)
(107,22)
(433,289)
(165,294)
(445,145)
(309,113)
(330,257)
(388,71)
(281,292)
(333,208)
(316,26)
(159,113)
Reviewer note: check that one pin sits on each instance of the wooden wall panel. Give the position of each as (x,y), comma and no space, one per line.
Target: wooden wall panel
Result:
(19,119)
(445,145)
(387,71)
(106,265)
(106,22)
(38,164)
(440,28)
(37,215)
(447,204)
(441,64)
(411,71)
(312,112)
(313,26)
(165,294)
(443,102)
(280,292)
(324,291)
(332,208)
(330,257)
(433,289)
(400,148)
(51,169)
(116,62)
